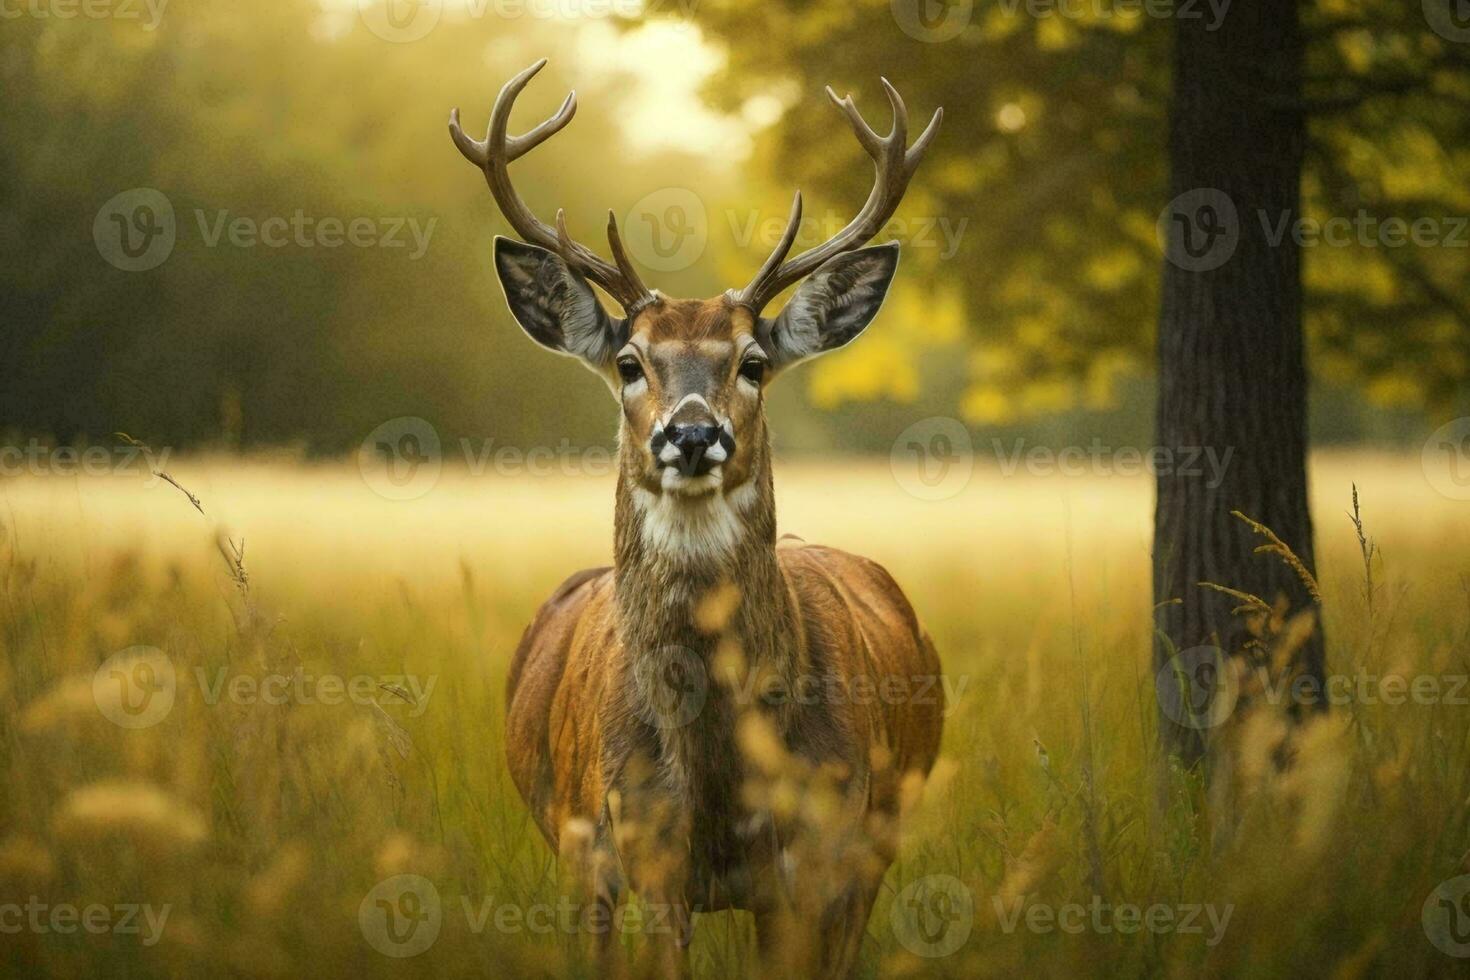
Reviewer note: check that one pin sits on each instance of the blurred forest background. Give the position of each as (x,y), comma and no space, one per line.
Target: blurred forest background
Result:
(1026,305)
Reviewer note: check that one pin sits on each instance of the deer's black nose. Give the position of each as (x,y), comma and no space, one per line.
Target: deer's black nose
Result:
(694,442)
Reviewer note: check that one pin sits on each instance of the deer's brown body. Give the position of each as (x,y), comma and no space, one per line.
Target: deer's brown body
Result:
(573,723)
(719,720)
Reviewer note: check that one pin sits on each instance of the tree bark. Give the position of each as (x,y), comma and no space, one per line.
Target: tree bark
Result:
(1232,377)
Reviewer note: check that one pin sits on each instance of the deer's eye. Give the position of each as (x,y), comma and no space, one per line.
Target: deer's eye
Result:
(630,370)
(753,369)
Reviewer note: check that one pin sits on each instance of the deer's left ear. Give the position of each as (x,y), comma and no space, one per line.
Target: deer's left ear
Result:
(833,305)
(555,305)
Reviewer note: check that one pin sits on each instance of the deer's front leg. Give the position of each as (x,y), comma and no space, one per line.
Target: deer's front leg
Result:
(651,835)
(592,872)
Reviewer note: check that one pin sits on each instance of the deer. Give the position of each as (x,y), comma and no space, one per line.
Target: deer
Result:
(721,719)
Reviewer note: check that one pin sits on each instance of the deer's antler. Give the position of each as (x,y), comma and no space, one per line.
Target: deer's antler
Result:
(494,156)
(894,162)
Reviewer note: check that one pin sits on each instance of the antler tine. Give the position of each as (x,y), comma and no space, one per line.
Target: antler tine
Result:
(625,265)
(773,261)
(564,244)
(518,146)
(894,162)
(916,152)
(870,140)
(494,156)
(899,134)
(474,151)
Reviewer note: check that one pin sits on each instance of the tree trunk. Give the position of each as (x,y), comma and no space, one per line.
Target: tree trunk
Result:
(1231,372)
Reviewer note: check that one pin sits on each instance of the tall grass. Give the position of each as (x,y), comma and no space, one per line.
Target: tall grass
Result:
(263,826)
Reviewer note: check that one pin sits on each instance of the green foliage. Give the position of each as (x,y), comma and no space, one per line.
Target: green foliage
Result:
(1027,290)
(1053,153)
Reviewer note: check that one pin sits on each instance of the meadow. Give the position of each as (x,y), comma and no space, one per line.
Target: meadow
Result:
(328,667)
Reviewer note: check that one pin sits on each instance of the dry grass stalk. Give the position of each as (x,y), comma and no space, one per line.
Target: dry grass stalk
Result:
(1276,546)
(1368,548)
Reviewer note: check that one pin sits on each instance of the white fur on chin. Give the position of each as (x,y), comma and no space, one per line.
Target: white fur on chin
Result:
(694,516)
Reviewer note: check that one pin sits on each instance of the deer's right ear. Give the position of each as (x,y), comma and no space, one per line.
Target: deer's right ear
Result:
(555,305)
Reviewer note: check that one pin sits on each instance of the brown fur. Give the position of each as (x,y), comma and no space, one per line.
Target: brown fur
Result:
(698,814)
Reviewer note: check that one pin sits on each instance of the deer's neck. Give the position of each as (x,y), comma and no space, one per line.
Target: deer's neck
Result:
(699,587)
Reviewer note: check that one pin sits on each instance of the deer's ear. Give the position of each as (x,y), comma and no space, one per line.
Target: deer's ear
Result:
(555,304)
(833,305)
